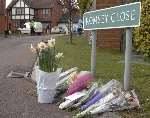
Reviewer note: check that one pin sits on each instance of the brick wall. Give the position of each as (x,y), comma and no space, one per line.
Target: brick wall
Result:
(2,23)
(56,13)
(110,38)
(2,16)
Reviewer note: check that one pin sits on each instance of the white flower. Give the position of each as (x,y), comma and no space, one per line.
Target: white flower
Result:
(59,55)
(32,48)
(51,43)
(41,45)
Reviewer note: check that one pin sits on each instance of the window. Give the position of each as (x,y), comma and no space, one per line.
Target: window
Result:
(26,10)
(13,11)
(27,17)
(19,11)
(45,11)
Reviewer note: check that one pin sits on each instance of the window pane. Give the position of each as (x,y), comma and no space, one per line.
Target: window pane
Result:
(31,17)
(26,10)
(22,10)
(13,17)
(13,11)
(47,11)
(19,11)
(27,17)
(22,4)
(22,17)
(17,17)
(32,11)
(43,11)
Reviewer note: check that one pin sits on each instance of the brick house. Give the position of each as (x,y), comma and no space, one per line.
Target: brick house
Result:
(47,12)
(2,16)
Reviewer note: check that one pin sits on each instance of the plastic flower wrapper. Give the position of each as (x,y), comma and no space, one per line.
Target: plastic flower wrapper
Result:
(132,99)
(83,80)
(90,93)
(101,109)
(72,78)
(71,99)
(107,88)
(97,96)
(126,100)
(102,101)
(119,101)
(66,78)
(110,105)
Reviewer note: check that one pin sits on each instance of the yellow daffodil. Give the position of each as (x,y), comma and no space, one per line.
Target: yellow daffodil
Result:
(45,53)
(32,48)
(59,55)
(41,45)
(51,43)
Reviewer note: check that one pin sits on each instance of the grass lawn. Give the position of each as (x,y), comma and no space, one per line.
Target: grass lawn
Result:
(108,67)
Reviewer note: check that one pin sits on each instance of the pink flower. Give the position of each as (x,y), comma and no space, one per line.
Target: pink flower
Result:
(83,80)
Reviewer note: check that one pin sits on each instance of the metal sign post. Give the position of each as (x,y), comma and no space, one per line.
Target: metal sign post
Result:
(93,53)
(128,56)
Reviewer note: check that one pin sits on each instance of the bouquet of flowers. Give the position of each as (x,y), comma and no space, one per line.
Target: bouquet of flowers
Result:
(47,72)
(48,58)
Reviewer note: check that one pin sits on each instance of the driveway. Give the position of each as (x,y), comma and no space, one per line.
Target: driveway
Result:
(17,97)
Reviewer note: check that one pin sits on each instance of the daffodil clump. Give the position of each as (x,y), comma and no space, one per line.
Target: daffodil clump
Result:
(48,58)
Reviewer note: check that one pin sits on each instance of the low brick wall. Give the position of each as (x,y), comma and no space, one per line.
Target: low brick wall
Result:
(110,38)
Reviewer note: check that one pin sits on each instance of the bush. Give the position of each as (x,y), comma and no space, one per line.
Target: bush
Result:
(142,33)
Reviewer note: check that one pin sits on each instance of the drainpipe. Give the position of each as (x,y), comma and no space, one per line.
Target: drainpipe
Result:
(6,24)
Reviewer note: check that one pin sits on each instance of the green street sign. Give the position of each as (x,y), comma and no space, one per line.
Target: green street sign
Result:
(122,16)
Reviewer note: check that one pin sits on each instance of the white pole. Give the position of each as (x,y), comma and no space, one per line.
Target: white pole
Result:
(93,52)
(128,56)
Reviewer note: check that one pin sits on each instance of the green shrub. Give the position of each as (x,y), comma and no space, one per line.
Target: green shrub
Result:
(142,33)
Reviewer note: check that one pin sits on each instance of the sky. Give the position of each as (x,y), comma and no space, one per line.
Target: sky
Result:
(7,2)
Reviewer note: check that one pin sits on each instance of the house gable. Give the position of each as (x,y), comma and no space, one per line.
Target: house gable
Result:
(20,10)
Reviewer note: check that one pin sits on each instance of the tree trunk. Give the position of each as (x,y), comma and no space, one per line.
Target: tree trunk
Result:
(70,22)
(70,31)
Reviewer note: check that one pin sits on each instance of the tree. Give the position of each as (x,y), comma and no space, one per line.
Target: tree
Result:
(84,5)
(70,7)
(142,33)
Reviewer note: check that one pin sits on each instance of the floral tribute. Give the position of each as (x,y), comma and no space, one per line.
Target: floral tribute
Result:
(48,58)
(85,96)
